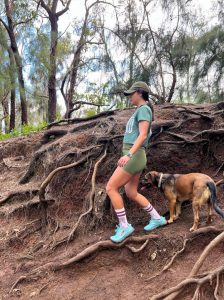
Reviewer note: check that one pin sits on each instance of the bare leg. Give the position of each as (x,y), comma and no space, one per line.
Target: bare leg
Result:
(132,192)
(118,179)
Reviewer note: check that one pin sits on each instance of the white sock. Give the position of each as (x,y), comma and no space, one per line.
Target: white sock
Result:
(152,212)
(121,214)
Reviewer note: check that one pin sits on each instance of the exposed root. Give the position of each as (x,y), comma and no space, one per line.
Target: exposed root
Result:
(84,126)
(190,237)
(22,278)
(38,156)
(49,178)
(54,172)
(205,253)
(91,197)
(220,182)
(134,250)
(153,144)
(219,169)
(190,111)
(25,194)
(65,263)
(79,120)
(78,152)
(167,266)
(172,293)
(216,287)
(210,133)
(25,207)
(182,285)
(26,231)
(52,135)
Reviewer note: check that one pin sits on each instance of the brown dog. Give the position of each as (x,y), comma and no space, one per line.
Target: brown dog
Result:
(197,187)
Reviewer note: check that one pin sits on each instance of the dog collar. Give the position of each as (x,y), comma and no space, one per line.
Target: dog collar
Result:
(160,180)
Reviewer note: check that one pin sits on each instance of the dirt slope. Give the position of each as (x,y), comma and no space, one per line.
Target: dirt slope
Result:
(185,139)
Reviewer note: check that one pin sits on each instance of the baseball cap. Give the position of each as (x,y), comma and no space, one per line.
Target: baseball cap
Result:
(135,86)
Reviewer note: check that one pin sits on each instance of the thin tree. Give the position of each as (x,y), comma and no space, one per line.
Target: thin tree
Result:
(51,9)
(10,27)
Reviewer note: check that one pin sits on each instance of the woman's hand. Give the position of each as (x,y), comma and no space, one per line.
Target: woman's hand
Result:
(123,160)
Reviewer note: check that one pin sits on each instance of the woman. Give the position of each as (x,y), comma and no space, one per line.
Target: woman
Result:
(132,163)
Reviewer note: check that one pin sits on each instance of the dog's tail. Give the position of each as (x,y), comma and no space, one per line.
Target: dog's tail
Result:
(212,187)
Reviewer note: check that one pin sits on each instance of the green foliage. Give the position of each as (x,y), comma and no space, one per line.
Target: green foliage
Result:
(90,113)
(24,130)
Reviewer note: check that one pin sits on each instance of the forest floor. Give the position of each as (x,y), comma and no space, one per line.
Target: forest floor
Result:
(48,252)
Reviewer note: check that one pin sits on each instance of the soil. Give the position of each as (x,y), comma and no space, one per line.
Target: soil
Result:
(109,273)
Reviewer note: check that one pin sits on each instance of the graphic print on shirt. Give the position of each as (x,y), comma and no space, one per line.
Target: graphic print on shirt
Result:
(129,126)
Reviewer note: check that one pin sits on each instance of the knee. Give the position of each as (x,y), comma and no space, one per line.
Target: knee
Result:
(109,188)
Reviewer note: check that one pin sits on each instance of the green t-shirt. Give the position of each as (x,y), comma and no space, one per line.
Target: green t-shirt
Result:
(143,113)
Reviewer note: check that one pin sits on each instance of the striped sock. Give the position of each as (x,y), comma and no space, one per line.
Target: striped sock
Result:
(152,212)
(121,214)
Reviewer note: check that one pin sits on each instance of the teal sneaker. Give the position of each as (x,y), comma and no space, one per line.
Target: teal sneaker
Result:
(121,233)
(153,224)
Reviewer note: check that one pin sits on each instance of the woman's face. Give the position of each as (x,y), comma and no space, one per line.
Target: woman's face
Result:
(135,98)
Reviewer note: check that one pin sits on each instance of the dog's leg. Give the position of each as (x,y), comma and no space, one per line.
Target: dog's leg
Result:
(209,212)
(172,206)
(196,214)
(178,210)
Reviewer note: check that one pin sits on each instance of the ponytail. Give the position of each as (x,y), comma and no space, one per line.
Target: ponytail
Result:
(145,96)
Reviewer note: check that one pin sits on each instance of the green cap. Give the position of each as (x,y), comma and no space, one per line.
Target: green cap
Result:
(135,86)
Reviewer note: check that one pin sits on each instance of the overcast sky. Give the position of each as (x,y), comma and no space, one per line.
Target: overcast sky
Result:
(77,11)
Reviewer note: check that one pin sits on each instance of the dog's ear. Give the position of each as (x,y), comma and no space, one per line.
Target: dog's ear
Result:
(152,177)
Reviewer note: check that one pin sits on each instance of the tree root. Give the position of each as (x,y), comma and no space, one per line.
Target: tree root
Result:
(79,120)
(205,253)
(190,237)
(219,169)
(210,133)
(27,194)
(78,152)
(49,178)
(172,293)
(51,135)
(190,111)
(91,204)
(22,234)
(38,156)
(91,197)
(65,263)
(153,144)
(55,171)
(84,126)
(220,182)
(180,287)
(134,250)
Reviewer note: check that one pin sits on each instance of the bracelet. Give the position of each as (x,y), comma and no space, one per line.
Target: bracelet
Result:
(129,155)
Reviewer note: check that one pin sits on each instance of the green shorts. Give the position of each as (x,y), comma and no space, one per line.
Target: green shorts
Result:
(137,162)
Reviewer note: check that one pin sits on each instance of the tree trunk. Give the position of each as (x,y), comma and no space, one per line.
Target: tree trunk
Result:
(51,9)
(13,92)
(174,79)
(18,61)
(52,102)
(74,67)
(5,106)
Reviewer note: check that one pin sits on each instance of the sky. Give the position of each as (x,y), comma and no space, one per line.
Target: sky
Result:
(77,11)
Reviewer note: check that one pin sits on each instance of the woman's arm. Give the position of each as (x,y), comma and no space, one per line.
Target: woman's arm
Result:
(143,133)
